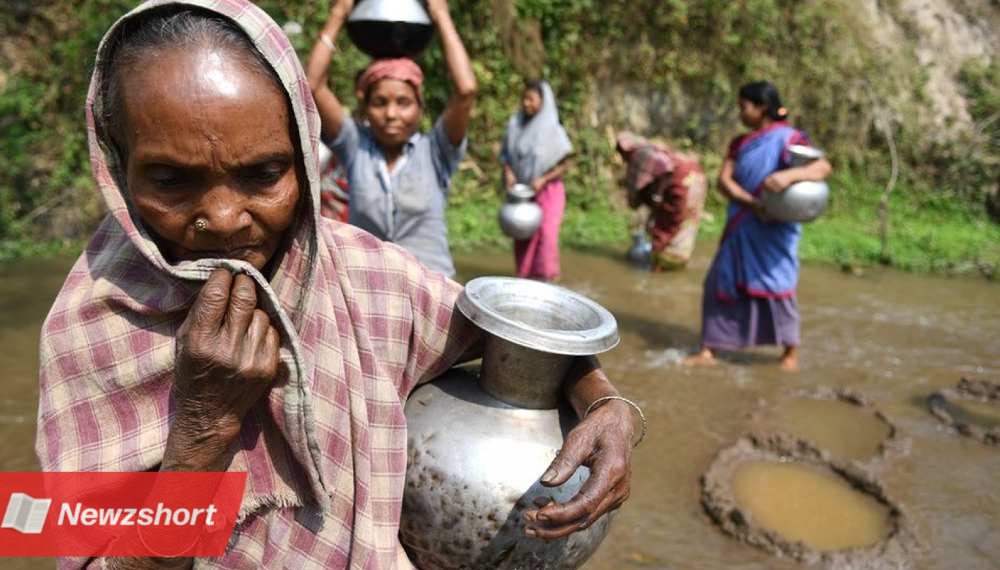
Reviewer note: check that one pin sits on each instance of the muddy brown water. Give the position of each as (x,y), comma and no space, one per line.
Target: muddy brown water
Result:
(801,502)
(844,429)
(894,337)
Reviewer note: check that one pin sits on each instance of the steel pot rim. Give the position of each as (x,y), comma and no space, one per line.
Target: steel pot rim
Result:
(475,304)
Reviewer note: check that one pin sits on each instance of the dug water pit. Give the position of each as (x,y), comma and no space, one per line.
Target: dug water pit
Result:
(972,408)
(784,495)
(841,422)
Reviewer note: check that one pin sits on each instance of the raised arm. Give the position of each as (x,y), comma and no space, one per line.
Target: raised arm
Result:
(456,115)
(331,112)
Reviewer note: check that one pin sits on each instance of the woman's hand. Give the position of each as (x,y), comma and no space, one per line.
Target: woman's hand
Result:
(341,9)
(779,181)
(436,8)
(603,442)
(227,356)
(537,184)
(757,207)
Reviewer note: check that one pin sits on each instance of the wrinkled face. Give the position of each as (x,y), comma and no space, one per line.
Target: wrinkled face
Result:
(751,114)
(393,111)
(531,102)
(207,137)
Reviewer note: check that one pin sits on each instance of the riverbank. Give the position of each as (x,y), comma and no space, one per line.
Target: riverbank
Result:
(926,235)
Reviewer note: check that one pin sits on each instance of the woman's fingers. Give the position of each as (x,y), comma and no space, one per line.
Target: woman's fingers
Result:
(242,303)
(558,529)
(209,307)
(574,452)
(261,348)
(270,353)
(606,475)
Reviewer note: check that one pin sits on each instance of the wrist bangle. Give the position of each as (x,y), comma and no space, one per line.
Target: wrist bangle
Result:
(642,417)
(328,42)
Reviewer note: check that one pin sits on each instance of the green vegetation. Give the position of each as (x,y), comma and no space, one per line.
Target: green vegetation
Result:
(683,59)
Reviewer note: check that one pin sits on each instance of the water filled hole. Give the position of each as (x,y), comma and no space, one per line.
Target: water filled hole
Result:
(974,412)
(809,504)
(844,429)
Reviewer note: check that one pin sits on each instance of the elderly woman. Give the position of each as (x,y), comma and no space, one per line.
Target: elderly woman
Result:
(672,185)
(536,152)
(399,177)
(217,322)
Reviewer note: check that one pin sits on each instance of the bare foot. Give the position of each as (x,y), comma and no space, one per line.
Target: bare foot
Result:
(702,358)
(790,360)
(789,365)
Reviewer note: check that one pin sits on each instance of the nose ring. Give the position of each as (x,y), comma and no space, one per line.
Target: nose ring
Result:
(200,225)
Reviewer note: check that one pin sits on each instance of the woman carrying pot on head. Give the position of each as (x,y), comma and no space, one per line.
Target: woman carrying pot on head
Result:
(536,152)
(672,185)
(216,322)
(750,291)
(398,176)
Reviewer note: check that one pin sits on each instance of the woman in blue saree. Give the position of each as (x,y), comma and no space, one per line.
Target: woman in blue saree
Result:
(750,290)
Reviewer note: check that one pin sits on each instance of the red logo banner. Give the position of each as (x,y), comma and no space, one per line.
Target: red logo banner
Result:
(118,514)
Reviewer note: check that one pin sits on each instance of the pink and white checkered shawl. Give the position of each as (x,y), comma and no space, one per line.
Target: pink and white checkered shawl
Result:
(362,324)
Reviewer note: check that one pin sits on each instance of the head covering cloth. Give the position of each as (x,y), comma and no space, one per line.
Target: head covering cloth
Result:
(400,69)
(647,161)
(534,145)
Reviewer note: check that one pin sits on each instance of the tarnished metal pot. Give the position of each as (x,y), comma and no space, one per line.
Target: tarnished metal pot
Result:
(390,28)
(640,254)
(478,444)
(803,201)
(520,216)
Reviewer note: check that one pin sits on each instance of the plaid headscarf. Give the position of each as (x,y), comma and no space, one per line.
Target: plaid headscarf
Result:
(646,163)
(362,323)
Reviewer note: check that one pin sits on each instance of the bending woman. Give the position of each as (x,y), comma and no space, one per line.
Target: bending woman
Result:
(536,152)
(672,185)
(750,290)
(398,176)
(216,322)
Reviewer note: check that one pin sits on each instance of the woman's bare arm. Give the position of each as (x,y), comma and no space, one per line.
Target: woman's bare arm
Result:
(555,173)
(456,115)
(331,111)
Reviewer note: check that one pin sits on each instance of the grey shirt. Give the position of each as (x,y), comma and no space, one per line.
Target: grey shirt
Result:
(405,206)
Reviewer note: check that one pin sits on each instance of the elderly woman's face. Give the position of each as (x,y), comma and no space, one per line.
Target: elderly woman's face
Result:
(207,138)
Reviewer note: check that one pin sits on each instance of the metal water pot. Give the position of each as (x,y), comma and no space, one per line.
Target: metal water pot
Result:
(390,28)
(478,444)
(641,252)
(520,216)
(803,201)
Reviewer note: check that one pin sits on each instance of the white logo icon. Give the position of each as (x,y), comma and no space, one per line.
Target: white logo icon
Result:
(26,514)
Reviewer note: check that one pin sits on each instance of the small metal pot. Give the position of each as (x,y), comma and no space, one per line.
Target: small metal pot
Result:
(390,28)
(520,216)
(803,201)
(640,254)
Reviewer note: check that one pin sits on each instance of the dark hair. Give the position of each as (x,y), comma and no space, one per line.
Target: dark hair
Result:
(533,85)
(765,94)
(159,29)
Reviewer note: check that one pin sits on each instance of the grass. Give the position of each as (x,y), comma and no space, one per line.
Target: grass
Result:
(927,234)
(931,235)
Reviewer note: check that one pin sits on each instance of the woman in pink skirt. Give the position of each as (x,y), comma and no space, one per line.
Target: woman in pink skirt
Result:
(536,152)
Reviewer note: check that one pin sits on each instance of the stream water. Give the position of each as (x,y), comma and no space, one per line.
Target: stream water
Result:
(893,337)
